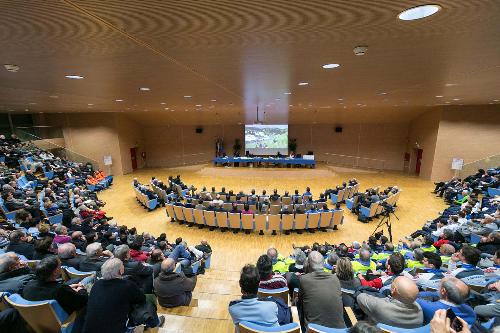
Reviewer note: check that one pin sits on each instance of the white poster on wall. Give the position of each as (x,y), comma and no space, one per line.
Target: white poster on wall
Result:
(108,160)
(457,163)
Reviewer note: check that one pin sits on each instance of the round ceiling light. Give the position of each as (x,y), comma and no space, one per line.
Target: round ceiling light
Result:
(419,12)
(303,83)
(329,66)
(74,77)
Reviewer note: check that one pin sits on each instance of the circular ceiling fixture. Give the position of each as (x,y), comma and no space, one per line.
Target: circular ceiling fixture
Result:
(419,12)
(329,66)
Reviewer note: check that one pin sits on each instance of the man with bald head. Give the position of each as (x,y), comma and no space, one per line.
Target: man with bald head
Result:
(400,309)
(320,298)
(452,294)
(173,289)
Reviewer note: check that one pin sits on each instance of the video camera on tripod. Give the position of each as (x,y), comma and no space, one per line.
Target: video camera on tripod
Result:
(387,208)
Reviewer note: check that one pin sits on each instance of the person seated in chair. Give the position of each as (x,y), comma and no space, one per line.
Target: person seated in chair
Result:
(67,254)
(268,279)
(20,244)
(140,273)
(14,274)
(468,272)
(95,258)
(249,308)
(173,289)
(364,262)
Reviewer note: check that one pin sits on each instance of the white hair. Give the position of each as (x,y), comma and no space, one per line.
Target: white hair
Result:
(93,249)
(111,269)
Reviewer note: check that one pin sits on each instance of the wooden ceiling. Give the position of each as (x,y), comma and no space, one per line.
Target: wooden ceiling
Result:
(231,56)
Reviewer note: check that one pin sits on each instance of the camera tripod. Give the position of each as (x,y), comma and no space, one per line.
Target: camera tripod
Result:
(386,219)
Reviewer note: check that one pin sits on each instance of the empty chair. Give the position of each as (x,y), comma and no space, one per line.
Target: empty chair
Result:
(274,222)
(248,327)
(313,220)
(198,217)
(170,211)
(260,222)
(234,221)
(286,222)
(222,219)
(42,316)
(349,203)
(300,221)
(179,215)
(326,219)
(280,293)
(209,216)
(247,221)
(188,215)
(337,217)
(337,197)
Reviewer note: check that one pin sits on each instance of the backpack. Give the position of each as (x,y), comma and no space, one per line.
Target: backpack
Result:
(284,311)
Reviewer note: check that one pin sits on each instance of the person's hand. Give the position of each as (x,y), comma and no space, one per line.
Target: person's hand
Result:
(107,253)
(76,287)
(440,323)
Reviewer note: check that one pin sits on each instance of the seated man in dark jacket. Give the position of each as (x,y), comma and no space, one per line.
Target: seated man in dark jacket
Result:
(68,256)
(14,274)
(20,245)
(173,289)
(48,286)
(138,272)
(96,257)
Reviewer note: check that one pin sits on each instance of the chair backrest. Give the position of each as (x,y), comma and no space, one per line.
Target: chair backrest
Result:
(274,222)
(286,200)
(209,216)
(247,221)
(179,215)
(234,220)
(315,328)
(313,220)
(280,293)
(326,219)
(337,217)
(73,273)
(240,207)
(188,214)
(248,327)
(275,209)
(198,216)
(227,206)
(42,316)
(392,329)
(260,222)
(222,220)
(300,221)
(287,221)
(170,210)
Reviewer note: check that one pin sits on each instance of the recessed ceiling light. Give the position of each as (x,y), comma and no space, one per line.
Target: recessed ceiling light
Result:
(329,66)
(188,96)
(447,102)
(11,68)
(439,96)
(456,99)
(451,84)
(213,100)
(32,103)
(198,105)
(340,99)
(495,100)
(90,104)
(419,12)
(118,100)
(287,93)
(303,83)
(26,109)
(278,99)
(382,93)
(163,103)
(74,77)
(54,96)
(165,109)
(144,89)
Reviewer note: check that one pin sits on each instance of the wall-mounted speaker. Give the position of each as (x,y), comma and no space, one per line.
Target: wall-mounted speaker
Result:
(199,130)
(338,129)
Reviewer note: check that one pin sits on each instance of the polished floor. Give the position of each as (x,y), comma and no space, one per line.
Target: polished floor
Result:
(219,285)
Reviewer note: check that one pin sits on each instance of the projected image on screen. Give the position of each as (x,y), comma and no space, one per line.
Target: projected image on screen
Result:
(266,139)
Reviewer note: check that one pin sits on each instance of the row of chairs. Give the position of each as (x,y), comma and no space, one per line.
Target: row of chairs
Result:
(344,194)
(271,209)
(272,222)
(375,208)
(143,199)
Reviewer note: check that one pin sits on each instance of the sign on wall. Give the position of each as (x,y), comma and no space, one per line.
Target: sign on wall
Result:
(457,163)
(108,160)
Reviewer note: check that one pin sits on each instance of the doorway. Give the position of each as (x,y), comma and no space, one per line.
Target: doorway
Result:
(133,158)
(418,160)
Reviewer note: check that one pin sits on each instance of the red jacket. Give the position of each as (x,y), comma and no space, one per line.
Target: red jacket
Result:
(139,255)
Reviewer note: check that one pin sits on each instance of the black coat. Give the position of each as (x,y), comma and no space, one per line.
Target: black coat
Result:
(25,249)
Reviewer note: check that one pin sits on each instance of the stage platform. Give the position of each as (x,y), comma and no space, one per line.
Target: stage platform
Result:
(232,251)
(264,161)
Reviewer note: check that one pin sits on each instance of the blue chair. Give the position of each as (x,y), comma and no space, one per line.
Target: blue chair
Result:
(195,266)
(49,174)
(349,203)
(55,219)
(493,191)
(369,211)
(475,239)
(248,327)
(280,293)
(10,215)
(387,328)
(208,261)
(73,273)
(70,181)
(42,316)
(2,159)
(315,328)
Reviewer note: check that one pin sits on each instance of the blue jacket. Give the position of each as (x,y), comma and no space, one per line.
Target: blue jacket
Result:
(249,308)
(463,311)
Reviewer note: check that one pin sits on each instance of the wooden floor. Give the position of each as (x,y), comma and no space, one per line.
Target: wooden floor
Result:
(220,284)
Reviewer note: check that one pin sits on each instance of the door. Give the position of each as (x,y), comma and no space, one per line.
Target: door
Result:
(133,157)
(419,161)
